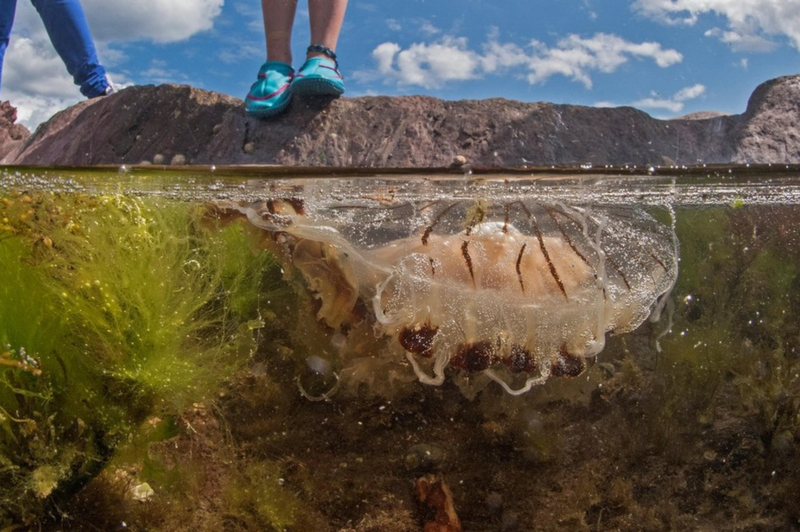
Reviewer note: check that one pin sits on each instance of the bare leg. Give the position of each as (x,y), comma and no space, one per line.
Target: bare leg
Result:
(278,21)
(326,22)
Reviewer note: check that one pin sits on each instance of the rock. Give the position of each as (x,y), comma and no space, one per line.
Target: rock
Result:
(425,457)
(12,134)
(769,130)
(458,161)
(435,494)
(142,492)
(139,123)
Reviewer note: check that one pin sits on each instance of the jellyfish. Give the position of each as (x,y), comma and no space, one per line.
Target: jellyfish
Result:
(519,291)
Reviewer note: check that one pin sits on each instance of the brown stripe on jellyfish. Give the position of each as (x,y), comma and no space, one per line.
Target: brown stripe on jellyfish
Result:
(552,213)
(468,260)
(660,263)
(547,258)
(519,271)
(611,262)
(428,230)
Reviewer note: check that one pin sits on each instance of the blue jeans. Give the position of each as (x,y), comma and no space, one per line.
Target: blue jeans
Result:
(66,25)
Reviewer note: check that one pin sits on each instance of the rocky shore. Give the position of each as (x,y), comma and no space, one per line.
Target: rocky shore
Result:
(174,124)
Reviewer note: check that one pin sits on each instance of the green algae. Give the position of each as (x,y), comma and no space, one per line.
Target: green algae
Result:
(256,497)
(112,309)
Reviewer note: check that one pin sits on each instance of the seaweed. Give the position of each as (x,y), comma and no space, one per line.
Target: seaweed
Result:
(112,309)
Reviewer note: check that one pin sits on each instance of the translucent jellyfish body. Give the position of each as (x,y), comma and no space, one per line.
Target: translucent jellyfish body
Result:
(519,291)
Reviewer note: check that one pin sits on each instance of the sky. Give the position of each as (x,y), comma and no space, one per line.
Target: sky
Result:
(665,57)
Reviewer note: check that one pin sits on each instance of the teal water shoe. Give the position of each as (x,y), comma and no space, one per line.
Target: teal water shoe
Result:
(270,94)
(319,76)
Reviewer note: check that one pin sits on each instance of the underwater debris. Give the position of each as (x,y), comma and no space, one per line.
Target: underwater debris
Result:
(434,492)
(517,291)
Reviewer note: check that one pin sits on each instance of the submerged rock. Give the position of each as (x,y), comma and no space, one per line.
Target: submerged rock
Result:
(152,123)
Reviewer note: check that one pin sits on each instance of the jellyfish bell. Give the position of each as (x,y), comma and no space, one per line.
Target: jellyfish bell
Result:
(494,297)
(519,291)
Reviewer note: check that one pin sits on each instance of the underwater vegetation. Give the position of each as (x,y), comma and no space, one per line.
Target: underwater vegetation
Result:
(113,311)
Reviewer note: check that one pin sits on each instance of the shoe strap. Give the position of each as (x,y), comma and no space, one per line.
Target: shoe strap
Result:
(324,50)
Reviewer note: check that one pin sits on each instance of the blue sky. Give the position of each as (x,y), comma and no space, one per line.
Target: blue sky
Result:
(666,57)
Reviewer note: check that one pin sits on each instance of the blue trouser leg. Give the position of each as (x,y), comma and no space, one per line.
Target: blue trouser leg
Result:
(7,9)
(66,25)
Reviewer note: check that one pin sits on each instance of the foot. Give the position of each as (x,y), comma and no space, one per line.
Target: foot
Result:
(319,76)
(270,95)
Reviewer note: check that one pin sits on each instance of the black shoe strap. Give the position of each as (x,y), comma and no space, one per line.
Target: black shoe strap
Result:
(324,50)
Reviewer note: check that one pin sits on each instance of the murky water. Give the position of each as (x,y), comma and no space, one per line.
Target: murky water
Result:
(262,349)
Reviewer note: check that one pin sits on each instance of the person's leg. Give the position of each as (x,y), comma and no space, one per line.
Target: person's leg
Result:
(326,23)
(7,10)
(270,94)
(66,25)
(319,75)
(278,21)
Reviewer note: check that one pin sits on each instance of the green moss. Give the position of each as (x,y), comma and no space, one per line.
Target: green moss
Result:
(112,308)
(257,498)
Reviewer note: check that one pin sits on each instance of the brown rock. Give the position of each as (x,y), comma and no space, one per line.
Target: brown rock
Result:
(769,131)
(435,494)
(11,134)
(139,123)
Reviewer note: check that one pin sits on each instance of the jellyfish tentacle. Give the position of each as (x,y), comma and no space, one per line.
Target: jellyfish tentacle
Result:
(529,383)
(423,377)
(325,396)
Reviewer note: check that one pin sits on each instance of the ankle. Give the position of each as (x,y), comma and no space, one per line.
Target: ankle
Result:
(319,50)
(279,58)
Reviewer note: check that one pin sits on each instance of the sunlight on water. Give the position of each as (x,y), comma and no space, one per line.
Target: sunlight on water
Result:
(473,344)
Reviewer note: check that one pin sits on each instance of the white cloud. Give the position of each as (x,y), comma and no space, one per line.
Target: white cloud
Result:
(36,82)
(575,57)
(501,56)
(429,29)
(384,56)
(450,59)
(32,67)
(161,21)
(427,65)
(749,22)
(742,42)
(690,93)
(675,103)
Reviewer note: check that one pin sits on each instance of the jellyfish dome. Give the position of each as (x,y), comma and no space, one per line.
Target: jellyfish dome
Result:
(517,290)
